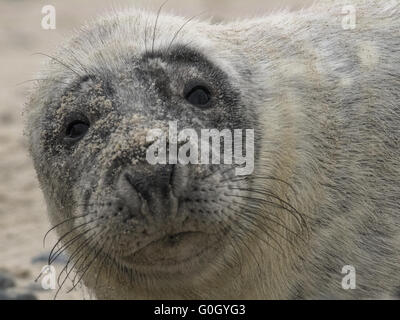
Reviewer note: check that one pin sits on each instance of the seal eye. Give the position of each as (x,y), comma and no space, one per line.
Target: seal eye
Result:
(199,96)
(76,130)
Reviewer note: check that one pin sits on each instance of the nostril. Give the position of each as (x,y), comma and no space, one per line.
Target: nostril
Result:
(129,178)
(139,183)
(171,175)
(150,180)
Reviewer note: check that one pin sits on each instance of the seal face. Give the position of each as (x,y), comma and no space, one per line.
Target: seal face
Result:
(167,219)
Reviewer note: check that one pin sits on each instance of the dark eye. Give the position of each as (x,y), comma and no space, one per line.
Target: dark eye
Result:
(76,130)
(199,96)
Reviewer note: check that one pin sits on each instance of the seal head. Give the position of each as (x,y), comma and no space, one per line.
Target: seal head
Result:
(91,119)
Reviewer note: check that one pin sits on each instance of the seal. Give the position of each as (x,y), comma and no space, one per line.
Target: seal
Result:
(323,101)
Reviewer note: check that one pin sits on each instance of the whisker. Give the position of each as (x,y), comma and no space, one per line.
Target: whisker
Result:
(89,265)
(44,79)
(84,69)
(155,25)
(249,220)
(78,250)
(249,217)
(248,232)
(60,62)
(255,177)
(66,234)
(181,28)
(74,254)
(102,263)
(68,244)
(243,242)
(300,220)
(271,194)
(145,34)
(67,274)
(59,224)
(264,217)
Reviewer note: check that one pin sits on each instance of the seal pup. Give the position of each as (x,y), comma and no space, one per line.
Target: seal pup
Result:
(324,104)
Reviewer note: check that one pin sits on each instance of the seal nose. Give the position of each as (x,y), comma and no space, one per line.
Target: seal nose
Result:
(151,181)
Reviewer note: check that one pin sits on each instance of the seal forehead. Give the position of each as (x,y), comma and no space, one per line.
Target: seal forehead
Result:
(116,39)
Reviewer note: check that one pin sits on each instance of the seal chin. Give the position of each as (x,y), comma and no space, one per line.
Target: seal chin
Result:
(173,252)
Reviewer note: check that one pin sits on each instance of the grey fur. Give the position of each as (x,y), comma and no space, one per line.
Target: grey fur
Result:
(324,103)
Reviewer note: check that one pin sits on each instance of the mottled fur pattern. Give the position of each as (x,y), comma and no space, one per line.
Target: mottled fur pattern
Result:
(325,106)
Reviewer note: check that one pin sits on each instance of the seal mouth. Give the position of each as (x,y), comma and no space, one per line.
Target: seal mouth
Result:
(172,250)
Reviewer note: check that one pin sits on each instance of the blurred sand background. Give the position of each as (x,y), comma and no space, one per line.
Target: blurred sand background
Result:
(23,219)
